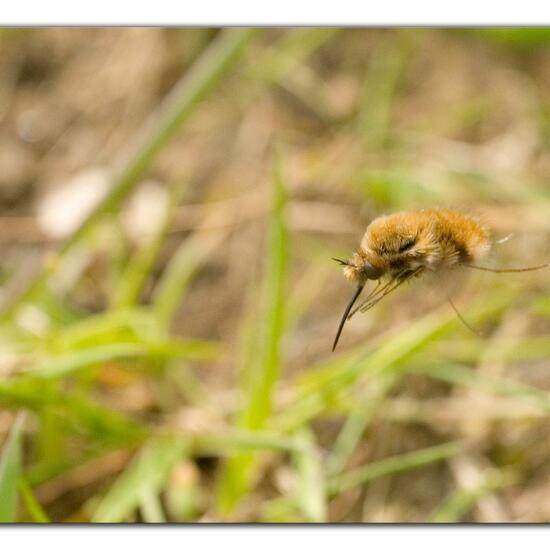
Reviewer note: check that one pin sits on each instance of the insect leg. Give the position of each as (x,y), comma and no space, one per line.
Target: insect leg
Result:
(370,296)
(397,283)
(464,322)
(376,293)
(516,270)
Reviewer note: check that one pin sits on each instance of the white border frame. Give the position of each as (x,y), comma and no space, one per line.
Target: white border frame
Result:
(279,13)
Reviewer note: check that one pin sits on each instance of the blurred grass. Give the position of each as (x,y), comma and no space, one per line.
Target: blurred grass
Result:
(10,471)
(262,371)
(407,461)
(517,38)
(311,485)
(462,500)
(174,111)
(36,512)
(140,266)
(141,481)
(187,376)
(380,86)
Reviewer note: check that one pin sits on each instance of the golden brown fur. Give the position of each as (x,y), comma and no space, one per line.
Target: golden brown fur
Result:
(430,239)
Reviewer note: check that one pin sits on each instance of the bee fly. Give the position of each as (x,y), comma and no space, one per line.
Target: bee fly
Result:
(404,245)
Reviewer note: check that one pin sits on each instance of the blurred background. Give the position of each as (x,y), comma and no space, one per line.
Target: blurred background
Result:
(170,201)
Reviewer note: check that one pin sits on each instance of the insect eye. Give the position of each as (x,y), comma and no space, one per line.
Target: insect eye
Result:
(372,272)
(407,245)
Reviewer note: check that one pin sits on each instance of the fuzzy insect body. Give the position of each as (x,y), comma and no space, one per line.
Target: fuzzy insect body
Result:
(404,245)
(405,242)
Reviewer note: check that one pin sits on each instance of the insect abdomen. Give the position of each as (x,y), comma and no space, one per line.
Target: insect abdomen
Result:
(463,239)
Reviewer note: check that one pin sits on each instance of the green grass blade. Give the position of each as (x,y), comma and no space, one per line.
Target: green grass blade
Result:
(151,508)
(184,495)
(526,39)
(365,474)
(146,474)
(33,506)
(285,65)
(50,436)
(462,500)
(141,265)
(69,363)
(78,413)
(42,472)
(392,465)
(465,376)
(396,349)
(316,389)
(310,490)
(10,471)
(245,440)
(278,62)
(470,351)
(183,266)
(264,371)
(127,325)
(356,423)
(379,91)
(280,510)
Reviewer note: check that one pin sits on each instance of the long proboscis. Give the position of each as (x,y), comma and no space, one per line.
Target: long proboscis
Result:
(345,315)
(512,270)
